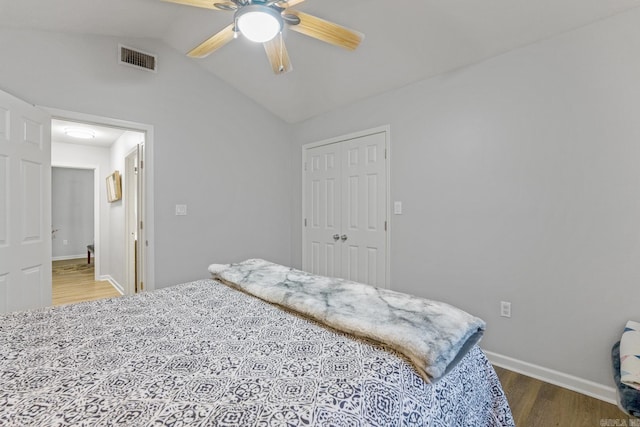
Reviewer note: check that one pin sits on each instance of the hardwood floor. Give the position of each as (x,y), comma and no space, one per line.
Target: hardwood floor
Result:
(73,281)
(535,403)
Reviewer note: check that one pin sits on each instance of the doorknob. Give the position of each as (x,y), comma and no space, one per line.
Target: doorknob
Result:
(343,237)
(336,237)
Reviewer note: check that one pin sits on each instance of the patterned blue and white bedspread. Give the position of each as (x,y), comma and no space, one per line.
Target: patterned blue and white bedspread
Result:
(203,354)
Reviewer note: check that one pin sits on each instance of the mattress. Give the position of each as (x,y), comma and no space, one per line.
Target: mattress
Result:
(204,354)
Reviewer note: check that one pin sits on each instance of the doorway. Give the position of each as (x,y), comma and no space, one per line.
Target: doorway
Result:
(25,200)
(72,220)
(106,150)
(72,212)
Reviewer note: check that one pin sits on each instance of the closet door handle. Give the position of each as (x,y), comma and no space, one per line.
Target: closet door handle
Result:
(343,237)
(336,237)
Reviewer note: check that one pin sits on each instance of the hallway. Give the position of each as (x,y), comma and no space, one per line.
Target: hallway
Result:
(73,281)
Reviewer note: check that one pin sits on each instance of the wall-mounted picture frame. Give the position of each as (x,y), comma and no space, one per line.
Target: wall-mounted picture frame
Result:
(114,187)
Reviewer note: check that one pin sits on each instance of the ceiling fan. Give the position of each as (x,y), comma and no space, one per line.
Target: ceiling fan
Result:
(262,21)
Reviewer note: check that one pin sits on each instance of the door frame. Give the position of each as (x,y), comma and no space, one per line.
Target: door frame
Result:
(386,129)
(96,206)
(130,195)
(134,215)
(147,177)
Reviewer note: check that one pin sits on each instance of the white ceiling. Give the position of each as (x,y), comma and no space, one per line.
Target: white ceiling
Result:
(405,41)
(104,136)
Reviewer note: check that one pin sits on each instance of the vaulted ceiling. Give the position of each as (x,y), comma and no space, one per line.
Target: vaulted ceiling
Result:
(405,40)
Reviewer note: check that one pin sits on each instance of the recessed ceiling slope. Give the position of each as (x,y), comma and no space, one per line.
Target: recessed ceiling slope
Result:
(406,40)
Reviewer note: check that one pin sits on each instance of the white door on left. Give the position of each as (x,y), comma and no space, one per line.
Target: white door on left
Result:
(25,205)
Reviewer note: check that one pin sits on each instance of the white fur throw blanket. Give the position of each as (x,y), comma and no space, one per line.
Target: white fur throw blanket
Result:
(630,355)
(432,334)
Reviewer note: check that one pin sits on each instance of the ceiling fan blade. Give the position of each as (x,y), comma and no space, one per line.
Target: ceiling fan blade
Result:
(278,55)
(227,5)
(212,43)
(207,4)
(326,31)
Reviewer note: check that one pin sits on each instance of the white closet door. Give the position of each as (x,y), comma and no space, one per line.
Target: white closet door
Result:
(345,193)
(363,237)
(25,205)
(322,207)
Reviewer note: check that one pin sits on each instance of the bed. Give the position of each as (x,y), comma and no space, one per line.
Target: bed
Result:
(205,354)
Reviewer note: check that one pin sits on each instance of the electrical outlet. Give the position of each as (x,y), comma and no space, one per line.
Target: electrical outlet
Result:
(505,309)
(181,209)
(65,242)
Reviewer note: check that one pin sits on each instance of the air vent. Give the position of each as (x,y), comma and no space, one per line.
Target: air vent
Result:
(138,59)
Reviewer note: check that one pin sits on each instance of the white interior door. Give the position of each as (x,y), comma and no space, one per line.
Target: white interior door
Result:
(25,205)
(323,217)
(131,212)
(141,236)
(364,210)
(134,196)
(345,209)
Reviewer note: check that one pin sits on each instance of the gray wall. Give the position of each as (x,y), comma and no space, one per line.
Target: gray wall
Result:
(519,179)
(214,149)
(71,211)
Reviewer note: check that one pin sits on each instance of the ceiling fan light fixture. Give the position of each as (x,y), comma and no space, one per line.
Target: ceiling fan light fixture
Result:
(258,23)
(80,133)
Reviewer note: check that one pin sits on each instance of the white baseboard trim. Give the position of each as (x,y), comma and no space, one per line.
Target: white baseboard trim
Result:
(580,385)
(66,257)
(118,287)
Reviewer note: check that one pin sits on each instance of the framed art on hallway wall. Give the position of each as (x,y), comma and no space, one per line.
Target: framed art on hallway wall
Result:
(114,187)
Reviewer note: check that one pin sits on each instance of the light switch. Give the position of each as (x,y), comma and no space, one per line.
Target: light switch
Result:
(181,209)
(397,208)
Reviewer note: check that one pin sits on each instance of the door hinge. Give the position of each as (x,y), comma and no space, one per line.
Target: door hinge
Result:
(305,222)
(142,286)
(141,164)
(385,226)
(140,225)
(385,153)
(305,166)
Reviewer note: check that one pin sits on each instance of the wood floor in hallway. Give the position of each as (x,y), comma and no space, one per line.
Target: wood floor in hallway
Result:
(73,281)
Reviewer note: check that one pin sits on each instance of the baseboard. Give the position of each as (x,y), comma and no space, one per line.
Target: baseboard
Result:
(118,287)
(580,385)
(66,257)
